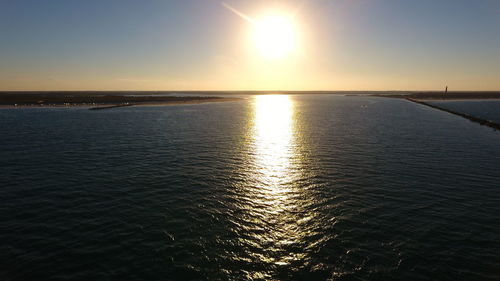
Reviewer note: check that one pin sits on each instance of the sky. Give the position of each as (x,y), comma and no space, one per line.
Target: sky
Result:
(203,45)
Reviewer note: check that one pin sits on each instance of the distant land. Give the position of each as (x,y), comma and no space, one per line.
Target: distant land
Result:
(109,99)
(197,92)
(97,100)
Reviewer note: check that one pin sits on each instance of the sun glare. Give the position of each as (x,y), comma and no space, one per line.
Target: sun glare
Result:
(275,36)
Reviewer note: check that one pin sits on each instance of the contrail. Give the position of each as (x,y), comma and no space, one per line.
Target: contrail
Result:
(242,15)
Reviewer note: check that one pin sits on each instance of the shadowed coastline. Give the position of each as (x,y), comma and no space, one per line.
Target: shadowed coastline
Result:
(97,100)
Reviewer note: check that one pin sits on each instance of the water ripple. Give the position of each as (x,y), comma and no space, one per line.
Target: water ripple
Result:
(270,188)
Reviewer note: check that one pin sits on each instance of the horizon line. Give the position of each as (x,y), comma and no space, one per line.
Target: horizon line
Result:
(252,91)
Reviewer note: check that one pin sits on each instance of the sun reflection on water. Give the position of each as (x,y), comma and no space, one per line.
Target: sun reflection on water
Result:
(272,223)
(274,194)
(273,139)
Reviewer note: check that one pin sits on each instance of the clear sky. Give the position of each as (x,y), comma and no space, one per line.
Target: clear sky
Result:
(202,45)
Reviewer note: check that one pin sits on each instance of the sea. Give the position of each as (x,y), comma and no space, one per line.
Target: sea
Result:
(269,187)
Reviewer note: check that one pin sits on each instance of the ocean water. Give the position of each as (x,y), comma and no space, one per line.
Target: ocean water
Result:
(486,109)
(268,188)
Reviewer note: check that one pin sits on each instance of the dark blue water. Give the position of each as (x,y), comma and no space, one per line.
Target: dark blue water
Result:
(268,188)
(485,109)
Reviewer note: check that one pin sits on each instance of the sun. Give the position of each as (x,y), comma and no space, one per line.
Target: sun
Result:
(275,36)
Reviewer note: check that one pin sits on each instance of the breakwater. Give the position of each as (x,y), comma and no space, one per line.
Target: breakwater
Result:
(480,121)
